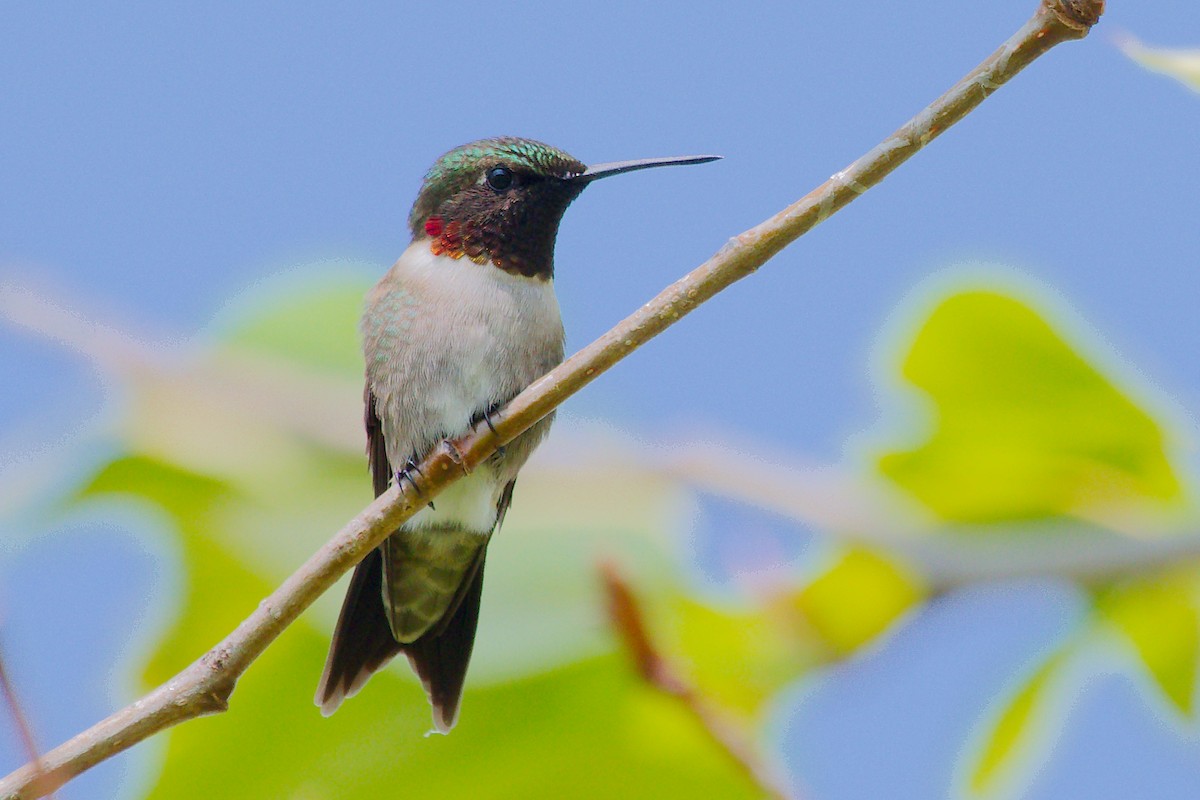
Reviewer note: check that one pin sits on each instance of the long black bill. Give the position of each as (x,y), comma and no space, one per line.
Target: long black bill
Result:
(617,167)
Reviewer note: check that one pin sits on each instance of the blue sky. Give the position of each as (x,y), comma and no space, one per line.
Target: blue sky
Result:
(157,161)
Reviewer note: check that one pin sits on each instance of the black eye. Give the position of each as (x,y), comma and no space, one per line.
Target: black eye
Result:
(500,178)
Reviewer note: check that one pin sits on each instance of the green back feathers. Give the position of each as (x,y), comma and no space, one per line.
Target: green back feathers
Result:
(463,166)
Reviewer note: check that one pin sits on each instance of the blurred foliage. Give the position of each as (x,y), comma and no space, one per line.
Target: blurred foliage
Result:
(1025,428)
(739,657)
(1010,731)
(1158,617)
(1182,65)
(317,330)
(251,453)
(856,599)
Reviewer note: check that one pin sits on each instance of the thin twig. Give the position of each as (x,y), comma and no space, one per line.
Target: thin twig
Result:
(859,511)
(205,686)
(628,622)
(21,723)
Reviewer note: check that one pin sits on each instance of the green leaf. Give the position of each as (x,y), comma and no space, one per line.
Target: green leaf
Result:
(857,599)
(738,656)
(1013,729)
(1159,619)
(1024,427)
(1182,65)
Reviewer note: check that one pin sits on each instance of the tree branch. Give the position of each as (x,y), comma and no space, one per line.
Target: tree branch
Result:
(205,686)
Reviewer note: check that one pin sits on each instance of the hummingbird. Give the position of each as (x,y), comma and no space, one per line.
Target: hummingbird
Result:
(461,323)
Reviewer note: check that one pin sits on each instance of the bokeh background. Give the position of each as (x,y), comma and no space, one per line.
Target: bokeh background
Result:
(913,507)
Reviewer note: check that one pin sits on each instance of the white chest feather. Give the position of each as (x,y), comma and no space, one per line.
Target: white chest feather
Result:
(469,503)
(444,339)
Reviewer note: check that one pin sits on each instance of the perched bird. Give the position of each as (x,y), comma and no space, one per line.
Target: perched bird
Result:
(463,321)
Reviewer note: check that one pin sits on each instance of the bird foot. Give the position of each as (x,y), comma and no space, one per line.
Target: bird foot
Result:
(486,417)
(406,474)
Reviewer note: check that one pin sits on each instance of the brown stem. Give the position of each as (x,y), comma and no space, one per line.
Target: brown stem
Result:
(205,686)
(24,729)
(625,614)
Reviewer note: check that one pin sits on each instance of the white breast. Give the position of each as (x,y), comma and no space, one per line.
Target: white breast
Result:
(495,324)
(469,503)
(444,339)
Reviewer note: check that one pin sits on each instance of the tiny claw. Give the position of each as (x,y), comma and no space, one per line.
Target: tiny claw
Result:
(487,420)
(406,474)
(487,416)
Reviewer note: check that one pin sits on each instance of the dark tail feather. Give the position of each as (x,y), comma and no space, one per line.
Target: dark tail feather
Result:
(440,657)
(362,640)
(363,644)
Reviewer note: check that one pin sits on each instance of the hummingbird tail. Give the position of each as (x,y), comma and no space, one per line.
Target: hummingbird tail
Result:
(441,656)
(362,641)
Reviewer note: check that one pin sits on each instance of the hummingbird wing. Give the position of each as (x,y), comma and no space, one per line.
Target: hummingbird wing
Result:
(381,469)
(362,640)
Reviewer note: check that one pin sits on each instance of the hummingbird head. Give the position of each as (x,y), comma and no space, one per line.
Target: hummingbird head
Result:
(501,200)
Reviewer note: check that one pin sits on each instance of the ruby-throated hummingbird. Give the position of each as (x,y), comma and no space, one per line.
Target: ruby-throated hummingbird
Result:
(463,321)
